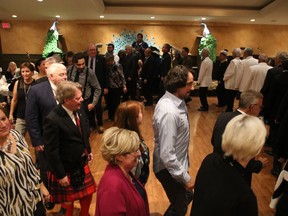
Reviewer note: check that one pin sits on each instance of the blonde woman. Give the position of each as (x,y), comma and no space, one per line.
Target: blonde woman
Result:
(120,148)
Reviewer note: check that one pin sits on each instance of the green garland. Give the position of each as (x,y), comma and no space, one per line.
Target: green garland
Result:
(208,42)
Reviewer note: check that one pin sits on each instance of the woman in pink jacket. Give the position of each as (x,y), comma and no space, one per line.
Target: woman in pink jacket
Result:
(119,192)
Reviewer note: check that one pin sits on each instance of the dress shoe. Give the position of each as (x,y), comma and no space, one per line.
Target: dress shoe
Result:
(100,129)
(203,109)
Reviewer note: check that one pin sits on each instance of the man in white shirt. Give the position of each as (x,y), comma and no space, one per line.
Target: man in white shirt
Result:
(205,79)
(172,137)
(245,76)
(258,73)
(231,78)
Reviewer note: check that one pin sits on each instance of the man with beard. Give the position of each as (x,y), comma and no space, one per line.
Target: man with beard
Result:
(172,136)
(91,91)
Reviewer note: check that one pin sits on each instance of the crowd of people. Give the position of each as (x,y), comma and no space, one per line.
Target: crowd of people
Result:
(63,102)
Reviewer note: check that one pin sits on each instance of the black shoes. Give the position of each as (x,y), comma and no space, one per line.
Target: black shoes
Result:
(202,109)
(49,205)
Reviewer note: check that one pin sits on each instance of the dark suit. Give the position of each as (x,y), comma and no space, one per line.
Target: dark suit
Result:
(130,71)
(254,166)
(101,74)
(270,76)
(147,74)
(40,102)
(64,144)
(164,68)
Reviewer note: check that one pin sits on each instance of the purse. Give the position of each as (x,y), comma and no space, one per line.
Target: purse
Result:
(77,175)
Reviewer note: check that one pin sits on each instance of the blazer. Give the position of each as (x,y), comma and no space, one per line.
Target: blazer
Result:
(64,144)
(246,73)
(205,73)
(148,69)
(40,102)
(258,74)
(116,195)
(232,74)
(221,190)
(254,166)
(130,67)
(100,70)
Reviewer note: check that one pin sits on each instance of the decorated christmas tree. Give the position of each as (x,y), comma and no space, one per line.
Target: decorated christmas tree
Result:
(51,41)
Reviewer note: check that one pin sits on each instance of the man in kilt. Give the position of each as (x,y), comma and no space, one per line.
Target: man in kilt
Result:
(66,136)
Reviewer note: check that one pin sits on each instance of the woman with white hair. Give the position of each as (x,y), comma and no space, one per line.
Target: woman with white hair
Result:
(220,187)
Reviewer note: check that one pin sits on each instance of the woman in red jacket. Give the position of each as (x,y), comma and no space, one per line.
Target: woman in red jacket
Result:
(119,192)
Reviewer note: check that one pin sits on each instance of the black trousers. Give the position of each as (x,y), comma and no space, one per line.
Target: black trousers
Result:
(282,207)
(113,97)
(147,92)
(131,90)
(203,97)
(43,164)
(230,97)
(178,196)
(89,114)
(99,111)
(220,90)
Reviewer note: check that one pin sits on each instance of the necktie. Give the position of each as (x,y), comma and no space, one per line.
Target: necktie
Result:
(91,63)
(77,120)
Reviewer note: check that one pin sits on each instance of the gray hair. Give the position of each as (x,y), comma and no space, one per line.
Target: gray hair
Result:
(263,57)
(66,90)
(248,98)
(248,51)
(236,52)
(244,137)
(56,68)
(282,56)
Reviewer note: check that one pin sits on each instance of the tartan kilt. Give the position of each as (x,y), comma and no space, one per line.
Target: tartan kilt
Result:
(60,194)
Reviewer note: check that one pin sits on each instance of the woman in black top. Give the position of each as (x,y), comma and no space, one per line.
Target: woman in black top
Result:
(220,186)
(20,93)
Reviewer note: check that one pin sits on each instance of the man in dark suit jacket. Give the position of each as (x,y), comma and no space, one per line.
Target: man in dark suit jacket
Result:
(97,64)
(146,75)
(250,103)
(41,100)
(271,74)
(66,138)
(130,73)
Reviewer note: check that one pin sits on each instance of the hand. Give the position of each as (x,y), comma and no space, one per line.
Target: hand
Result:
(162,78)
(189,185)
(145,81)
(90,106)
(105,91)
(11,118)
(124,89)
(64,182)
(45,193)
(129,79)
(264,161)
(40,148)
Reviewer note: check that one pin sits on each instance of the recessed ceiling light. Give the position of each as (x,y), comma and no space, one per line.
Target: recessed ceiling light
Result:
(252,20)
(101,16)
(14,16)
(57,16)
(40,0)
(203,18)
(152,17)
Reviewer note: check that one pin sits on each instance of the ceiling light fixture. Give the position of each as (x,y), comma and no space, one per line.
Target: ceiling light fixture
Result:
(40,0)
(14,16)
(252,20)
(152,17)
(203,18)
(57,16)
(101,16)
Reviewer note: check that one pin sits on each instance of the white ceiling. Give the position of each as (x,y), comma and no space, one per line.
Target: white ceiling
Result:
(234,11)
